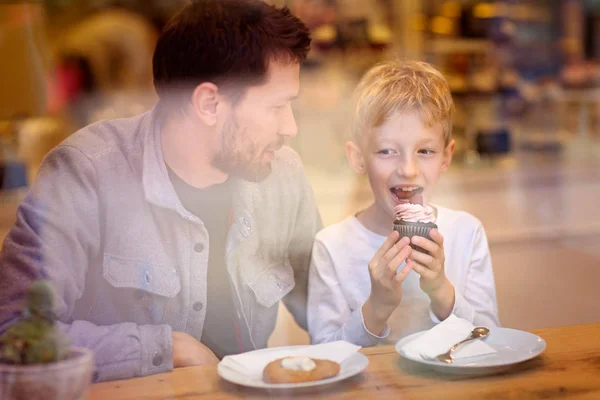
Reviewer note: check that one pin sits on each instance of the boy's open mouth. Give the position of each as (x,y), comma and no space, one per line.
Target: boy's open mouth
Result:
(407,194)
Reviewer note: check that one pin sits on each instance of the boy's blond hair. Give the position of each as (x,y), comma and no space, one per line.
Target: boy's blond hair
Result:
(405,86)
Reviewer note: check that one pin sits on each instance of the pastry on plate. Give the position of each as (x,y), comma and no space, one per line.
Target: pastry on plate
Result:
(299,369)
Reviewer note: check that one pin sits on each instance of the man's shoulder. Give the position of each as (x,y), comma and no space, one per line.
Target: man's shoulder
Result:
(107,136)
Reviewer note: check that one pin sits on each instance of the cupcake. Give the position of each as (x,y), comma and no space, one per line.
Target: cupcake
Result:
(414,220)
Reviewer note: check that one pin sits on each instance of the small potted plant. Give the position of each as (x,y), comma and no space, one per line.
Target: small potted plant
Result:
(36,359)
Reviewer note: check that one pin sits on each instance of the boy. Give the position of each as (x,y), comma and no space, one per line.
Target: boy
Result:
(401,139)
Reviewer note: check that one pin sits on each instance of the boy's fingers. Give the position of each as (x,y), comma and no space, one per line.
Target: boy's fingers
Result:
(384,248)
(437,237)
(420,269)
(401,276)
(425,244)
(405,241)
(388,257)
(393,252)
(424,259)
(392,266)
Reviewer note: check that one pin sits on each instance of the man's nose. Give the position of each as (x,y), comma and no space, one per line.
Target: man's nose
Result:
(288,123)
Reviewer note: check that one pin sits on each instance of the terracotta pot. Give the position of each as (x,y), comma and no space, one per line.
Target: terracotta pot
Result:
(65,380)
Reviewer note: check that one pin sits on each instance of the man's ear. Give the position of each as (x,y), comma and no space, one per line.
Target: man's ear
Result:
(205,100)
(356,158)
(448,153)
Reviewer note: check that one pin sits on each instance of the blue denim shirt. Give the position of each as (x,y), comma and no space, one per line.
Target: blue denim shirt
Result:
(129,262)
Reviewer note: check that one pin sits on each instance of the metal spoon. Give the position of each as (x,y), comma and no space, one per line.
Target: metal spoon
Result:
(477,333)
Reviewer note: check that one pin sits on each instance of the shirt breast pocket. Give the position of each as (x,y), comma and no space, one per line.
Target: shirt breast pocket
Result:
(268,288)
(137,291)
(271,285)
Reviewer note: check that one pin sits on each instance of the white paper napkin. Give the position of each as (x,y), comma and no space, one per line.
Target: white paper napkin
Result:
(253,363)
(444,335)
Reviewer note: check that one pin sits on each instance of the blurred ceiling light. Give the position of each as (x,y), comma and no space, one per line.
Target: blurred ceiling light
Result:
(442,25)
(325,34)
(484,10)
(379,33)
(450,9)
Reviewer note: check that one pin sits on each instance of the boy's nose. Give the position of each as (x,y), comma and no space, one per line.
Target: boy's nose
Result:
(407,168)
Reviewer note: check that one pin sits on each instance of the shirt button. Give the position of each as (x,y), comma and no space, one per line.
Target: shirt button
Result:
(198,247)
(157,360)
(245,223)
(198,306)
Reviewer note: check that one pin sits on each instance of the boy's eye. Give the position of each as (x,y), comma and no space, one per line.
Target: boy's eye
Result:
(385,152)
(426,152)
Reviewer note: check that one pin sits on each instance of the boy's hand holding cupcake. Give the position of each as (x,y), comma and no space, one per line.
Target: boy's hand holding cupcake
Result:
(386,282)
(415,221)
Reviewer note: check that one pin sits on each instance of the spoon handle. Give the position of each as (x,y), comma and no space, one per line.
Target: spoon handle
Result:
(471,337)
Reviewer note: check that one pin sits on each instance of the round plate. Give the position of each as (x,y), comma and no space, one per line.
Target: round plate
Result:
(512,346)
(353,365)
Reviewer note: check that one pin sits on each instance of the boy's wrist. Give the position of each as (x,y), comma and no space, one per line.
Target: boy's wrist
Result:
(381,312)
(442,291)
(442,300)
(375,317)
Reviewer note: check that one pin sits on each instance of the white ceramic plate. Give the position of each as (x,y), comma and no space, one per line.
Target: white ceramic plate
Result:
(353,365)
(512,346)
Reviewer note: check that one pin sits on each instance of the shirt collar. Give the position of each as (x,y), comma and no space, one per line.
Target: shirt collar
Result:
(158,188)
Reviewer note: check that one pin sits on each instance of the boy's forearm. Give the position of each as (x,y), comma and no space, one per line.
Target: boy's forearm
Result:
(375,319)
(442,301)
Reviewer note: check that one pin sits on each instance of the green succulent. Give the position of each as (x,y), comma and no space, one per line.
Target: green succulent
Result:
(34,338)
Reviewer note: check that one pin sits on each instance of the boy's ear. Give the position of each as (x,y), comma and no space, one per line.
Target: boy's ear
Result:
(355,158)
(448,153)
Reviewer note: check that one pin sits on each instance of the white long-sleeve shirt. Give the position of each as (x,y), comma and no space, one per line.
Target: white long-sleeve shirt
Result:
(339,282)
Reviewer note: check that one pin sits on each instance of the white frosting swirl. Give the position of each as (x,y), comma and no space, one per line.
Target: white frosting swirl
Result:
(414,213)
(298,363)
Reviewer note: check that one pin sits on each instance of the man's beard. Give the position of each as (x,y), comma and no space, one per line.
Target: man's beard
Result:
(240,156)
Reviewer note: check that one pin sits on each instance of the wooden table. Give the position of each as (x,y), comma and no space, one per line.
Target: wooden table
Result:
(569,368)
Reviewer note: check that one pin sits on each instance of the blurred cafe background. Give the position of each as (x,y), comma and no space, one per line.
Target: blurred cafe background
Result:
(525,76)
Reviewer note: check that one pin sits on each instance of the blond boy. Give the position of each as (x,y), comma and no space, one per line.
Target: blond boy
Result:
(401,140)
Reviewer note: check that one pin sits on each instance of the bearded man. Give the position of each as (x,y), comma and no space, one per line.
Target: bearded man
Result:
(171,237)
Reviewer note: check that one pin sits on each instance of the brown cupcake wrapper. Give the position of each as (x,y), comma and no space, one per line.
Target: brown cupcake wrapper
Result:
(410,229)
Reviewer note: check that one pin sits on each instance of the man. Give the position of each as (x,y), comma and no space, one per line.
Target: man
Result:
(188,223)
